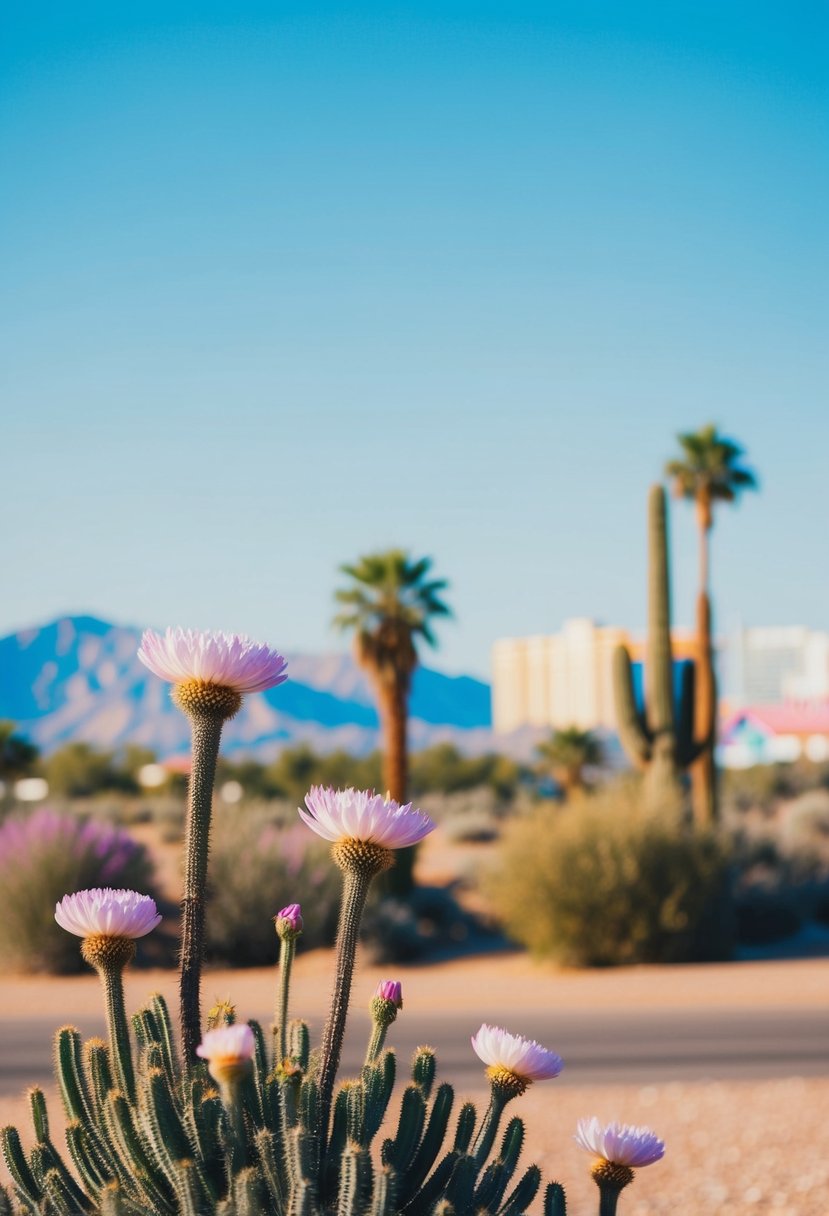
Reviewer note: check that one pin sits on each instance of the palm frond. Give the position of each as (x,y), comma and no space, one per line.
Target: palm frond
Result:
(708,469)
(389,602)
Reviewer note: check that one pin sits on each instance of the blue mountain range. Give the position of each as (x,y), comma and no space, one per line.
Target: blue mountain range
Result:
(78,678)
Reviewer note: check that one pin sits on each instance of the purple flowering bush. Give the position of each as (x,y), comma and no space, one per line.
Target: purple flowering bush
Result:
(43,855)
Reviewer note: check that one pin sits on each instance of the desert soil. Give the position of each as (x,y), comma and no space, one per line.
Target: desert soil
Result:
(735,1148)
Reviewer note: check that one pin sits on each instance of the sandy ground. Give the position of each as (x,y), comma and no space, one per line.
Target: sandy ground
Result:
(734,1148)
(501,982)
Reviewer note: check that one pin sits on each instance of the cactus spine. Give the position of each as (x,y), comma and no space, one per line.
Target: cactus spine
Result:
(658,741)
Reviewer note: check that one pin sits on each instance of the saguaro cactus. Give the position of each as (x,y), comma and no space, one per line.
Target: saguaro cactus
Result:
(659,741)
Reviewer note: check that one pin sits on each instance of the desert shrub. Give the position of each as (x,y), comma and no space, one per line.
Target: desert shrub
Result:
(471,827)
(467,815)
(804,831)
(44,856)
(428,923)
(603,883)
(443,768)
(781,870)
(256,868)
(765,915)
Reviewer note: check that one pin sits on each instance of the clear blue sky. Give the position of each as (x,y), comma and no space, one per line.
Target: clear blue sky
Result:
(283,283)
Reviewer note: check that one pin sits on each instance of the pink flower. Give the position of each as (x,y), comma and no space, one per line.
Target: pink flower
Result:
(228,1051)
(289,921)
(227,659)
(363,815)
(524,1058)
(116,913)
(390,990)
(619,1143)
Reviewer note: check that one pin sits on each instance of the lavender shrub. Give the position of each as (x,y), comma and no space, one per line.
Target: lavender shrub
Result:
(42,856)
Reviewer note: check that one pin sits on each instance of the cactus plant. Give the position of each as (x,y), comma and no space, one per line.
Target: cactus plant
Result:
(660,740)
(182,1146)
(249,1124)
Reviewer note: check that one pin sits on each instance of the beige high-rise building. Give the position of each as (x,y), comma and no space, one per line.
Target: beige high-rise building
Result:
(557,680)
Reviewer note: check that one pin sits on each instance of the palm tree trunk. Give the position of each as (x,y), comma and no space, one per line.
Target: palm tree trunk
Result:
(705,520)
(703,770)
(394,718)
(394,715)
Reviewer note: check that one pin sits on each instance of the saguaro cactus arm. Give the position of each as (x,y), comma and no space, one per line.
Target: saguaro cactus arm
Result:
(633,732)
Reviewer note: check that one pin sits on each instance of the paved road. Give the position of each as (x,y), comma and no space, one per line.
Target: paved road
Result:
(628,1047)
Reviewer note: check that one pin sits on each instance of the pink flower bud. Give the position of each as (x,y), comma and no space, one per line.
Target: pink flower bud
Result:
(390,990)
(289,922)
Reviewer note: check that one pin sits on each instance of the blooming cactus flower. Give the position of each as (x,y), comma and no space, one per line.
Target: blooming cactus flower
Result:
(619,1143)
(228,1051)
(514,1062)
(362,815)
(107,912)
(229,660)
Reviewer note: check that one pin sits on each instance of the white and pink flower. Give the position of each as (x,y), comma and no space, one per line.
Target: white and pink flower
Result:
(228,1050)
(619,1143)
(363,815)
(109,911)
(227,659)
(512,1053)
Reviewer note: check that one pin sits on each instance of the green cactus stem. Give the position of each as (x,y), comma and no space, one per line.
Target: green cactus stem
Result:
(656,741)
(109,955)
(287,952)
(360,862)
(611,1180)
(206,722)
(383,1014)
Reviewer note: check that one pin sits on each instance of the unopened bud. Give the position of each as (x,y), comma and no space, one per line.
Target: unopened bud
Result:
(288,922)
(386,1001)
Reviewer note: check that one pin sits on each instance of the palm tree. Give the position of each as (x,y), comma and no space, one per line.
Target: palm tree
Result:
(390,603)
(567,753)
(708,471)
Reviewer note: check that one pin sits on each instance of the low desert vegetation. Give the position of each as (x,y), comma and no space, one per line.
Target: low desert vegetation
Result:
(603,882)
(256,862)
(43,855)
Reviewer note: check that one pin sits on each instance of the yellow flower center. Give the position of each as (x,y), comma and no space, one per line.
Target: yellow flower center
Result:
(107,950)
(508,1083)
(203,697)
(228,1068)
(362,856)
(608,1173)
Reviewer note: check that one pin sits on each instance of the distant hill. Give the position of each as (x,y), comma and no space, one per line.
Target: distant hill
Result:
(78,678)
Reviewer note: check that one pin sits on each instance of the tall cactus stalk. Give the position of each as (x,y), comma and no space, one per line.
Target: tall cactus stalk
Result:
(659,741)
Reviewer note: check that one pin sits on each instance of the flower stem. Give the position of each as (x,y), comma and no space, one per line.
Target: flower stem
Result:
(489,1128)
(120,1048)
(287,950)
(236,1136)
(375,1043)
(356,885)
(608,1198)
(207,731)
